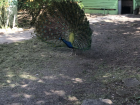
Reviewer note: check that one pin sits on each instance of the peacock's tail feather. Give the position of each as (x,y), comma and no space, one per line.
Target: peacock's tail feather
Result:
(64,18)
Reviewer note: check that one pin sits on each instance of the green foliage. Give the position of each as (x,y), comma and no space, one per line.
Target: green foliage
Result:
(4,3)
(21,4)
(81,4)
(3,14)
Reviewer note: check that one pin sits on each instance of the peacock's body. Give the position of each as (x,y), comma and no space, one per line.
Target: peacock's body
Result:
(64,20)
(68,44)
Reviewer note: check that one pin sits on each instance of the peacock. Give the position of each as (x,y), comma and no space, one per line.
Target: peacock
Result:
(64,21)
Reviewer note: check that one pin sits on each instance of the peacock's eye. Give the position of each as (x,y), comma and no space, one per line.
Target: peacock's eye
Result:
(49,29)
(51,33)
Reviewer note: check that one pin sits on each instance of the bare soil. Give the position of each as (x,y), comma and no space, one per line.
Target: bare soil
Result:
(37,74)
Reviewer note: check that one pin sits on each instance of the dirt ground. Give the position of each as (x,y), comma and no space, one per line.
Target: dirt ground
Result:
(92,74)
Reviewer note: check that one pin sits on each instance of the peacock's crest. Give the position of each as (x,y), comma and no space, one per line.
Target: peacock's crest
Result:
(67,20)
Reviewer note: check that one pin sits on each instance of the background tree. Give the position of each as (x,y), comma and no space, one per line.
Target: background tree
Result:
(3,14)
(33,7)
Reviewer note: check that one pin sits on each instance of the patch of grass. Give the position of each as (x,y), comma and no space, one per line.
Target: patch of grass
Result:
(25,59)
(91,96)
(108,74)
(112,78)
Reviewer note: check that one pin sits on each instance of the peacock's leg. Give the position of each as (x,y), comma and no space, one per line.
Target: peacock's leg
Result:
(73,51)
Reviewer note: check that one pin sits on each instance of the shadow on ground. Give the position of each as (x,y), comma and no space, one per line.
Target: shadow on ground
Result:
(115,42)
